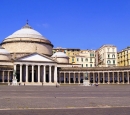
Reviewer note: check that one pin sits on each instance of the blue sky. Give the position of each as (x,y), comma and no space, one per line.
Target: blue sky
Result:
(84,24)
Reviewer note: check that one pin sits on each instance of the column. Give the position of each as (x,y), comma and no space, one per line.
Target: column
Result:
(98,78)
(74,77)
(103,78)
(55,74)
(44,76)
(108,78)
(89,77)
(8,76)
(79,77)
(93,77)
(3,76)
(128,77)
(69,77)
(113,78)
(26,73)
(49,73)
(123,77)
(38,73)
(118,76)
(14,70)
(20,73)
(32,73)
(64,77)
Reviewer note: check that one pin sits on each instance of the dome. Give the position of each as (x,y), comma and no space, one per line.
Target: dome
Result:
(26,41)
(59,54)
(3,51)
(26,32)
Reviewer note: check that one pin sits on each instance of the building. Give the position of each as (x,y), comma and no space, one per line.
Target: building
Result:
(124,57)
(106,56)
(70,52)
(86,58)
(30,55)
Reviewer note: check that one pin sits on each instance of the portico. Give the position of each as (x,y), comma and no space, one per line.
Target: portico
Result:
(36,68)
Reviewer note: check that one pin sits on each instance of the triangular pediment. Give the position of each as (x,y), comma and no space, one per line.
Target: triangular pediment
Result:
(36,57)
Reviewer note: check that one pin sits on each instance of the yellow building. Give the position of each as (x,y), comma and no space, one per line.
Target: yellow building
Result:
(86,58)
(124,57)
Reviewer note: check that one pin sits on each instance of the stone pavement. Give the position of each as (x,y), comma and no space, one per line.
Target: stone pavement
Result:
(65,100)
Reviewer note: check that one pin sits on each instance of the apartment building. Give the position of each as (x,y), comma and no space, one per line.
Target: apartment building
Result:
(106,56)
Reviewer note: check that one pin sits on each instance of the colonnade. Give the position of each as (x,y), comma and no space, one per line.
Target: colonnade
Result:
(6,76)
(100,77)
(36,73)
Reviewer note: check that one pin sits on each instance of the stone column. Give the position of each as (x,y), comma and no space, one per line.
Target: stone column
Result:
(55,74)
(79,77)
(123,77)
(3,76)
(74,77)
(118,75)
(98,78)
(88,76)
(93,77)
(44,76)
(64,77)
(8,76)
(32,73)
(26,73)
(113,77)
(103,78)
(20,73)
(108,78)
(15,69)
(49,73)
(69,77)
(38,73)
(128,77)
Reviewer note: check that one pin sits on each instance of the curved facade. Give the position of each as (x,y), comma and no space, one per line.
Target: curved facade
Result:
(61,57)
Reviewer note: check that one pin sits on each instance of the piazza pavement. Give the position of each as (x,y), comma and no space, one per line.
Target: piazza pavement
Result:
(65,100)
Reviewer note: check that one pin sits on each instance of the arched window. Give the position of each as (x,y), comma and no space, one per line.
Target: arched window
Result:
(108,61)
(113,56)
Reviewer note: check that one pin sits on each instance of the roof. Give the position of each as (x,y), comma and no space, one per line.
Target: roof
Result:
(94,68)
(59,54)
(3,51)
(27,32)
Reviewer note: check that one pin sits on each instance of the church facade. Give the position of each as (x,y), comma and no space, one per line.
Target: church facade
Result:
(29,54)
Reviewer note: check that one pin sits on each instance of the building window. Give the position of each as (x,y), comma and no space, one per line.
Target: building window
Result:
(108,55)
(72,59)
(82,65)
(82,59)
(108,61)
(86,65)
(90,65)
(86,59)
(90,59)
(91,55)
(113,61)
(77,59)
(113,56)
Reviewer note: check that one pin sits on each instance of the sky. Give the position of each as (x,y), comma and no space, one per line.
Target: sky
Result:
(84,24)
